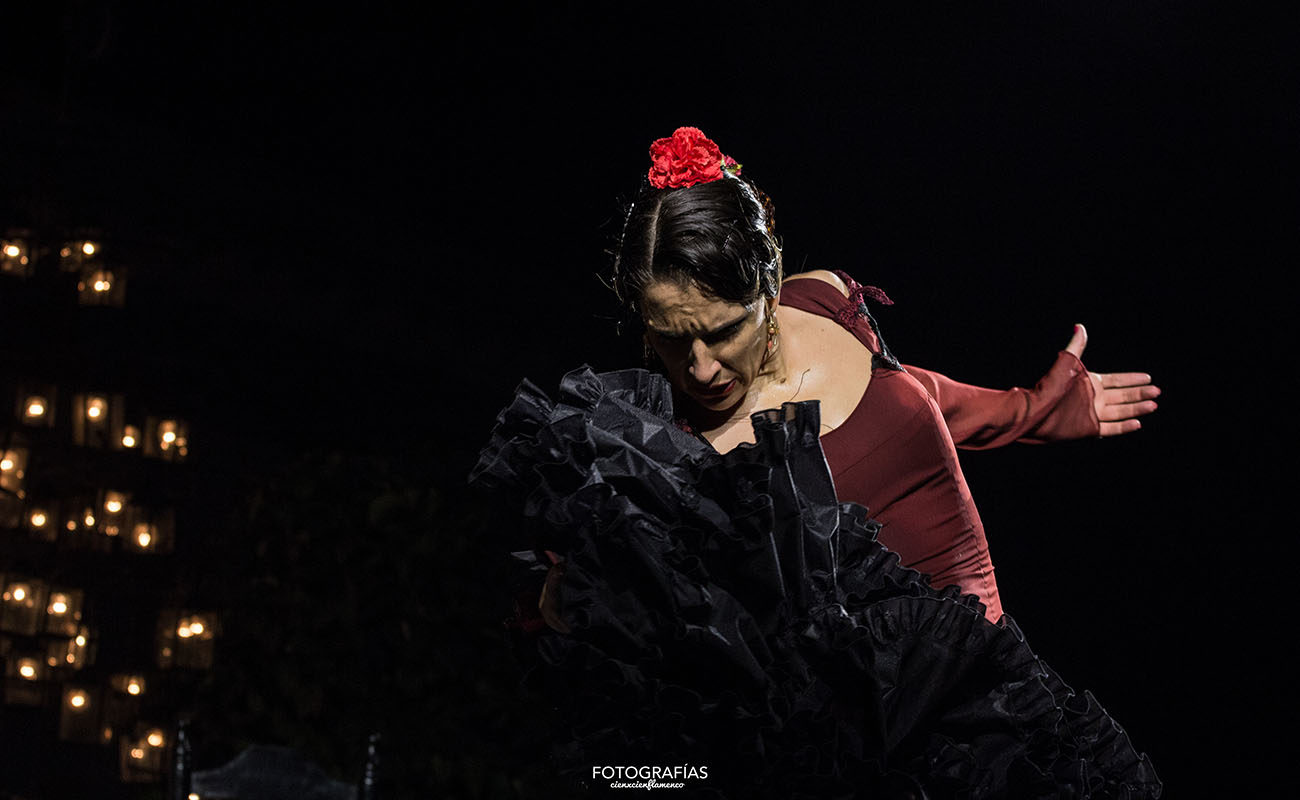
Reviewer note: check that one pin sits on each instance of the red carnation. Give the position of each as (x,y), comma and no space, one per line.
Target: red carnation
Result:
(684,159)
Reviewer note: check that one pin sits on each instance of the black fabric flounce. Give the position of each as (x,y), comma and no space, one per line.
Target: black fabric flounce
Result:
(729,611)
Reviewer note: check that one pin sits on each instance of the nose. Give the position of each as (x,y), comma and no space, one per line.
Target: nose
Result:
(703,366)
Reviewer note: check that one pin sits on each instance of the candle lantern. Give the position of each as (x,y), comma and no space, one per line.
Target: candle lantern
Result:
(167,439)
(26,679)
(22,606)
(42,521)
(81,714)
(143,754)
(128,684)
(110,513)
(63,612)
(13,480)
(97,420)
(186,639)
(35,405)
(80,517)
(80,254)
(130,438)
(16,254)
(13,469)
(99,286)
(122,703)
(72,653)
(151,530)
(144,537)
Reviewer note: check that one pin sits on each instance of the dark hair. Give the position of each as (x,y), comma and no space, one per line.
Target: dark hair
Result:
(718,236)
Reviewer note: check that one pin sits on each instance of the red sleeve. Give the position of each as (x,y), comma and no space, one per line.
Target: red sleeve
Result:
(1059,407)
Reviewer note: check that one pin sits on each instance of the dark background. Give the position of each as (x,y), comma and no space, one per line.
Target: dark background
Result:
(354,232)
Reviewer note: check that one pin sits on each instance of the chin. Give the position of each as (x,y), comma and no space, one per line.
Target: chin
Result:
(714,405)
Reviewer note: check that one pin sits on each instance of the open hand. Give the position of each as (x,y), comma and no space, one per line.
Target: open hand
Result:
(1119,398)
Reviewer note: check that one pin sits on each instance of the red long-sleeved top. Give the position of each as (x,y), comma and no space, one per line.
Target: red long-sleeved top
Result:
(896,453)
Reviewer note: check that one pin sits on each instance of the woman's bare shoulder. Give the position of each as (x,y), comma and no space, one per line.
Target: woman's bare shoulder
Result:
(822,275)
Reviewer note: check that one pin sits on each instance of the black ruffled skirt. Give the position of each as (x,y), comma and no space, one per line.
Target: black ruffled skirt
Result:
(727,611)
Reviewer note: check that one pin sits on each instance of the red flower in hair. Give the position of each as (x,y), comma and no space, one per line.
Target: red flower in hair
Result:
(686,158)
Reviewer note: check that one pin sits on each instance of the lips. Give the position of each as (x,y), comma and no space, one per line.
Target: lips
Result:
(714,394)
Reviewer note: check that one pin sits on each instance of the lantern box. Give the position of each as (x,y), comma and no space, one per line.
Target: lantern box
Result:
(80,714)
(143,754)
(186,639)
(22,605)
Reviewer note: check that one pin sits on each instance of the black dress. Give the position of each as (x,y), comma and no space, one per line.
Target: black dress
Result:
(727,611)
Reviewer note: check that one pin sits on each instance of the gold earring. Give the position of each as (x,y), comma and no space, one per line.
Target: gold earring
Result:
(772,330)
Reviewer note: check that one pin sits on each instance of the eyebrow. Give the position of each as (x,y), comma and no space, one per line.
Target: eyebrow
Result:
(702,334)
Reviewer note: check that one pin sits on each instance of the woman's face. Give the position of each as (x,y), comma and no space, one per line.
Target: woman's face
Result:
(712,349)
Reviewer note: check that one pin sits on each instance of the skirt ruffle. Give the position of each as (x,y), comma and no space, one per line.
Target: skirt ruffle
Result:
(728,610)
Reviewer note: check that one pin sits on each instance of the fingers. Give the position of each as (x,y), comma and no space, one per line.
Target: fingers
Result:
(1125,411)
(549,602)
(1118,428)
(1118,380)
(1119,409)
(1078,341)
(1129,394)
(1119,397)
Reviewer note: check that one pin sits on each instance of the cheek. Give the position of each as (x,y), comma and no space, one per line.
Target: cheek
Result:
(743,358)
(753,348)
(675,362)
(671,357)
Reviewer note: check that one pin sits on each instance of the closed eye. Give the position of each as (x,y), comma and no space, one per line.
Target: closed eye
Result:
(708,337)
(723,335)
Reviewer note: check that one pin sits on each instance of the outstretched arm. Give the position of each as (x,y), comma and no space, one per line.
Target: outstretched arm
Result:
(1067,403)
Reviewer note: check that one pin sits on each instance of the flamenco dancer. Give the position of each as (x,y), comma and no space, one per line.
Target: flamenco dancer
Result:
(764,557)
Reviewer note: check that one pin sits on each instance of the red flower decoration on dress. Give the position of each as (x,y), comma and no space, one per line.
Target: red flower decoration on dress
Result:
(686,158)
